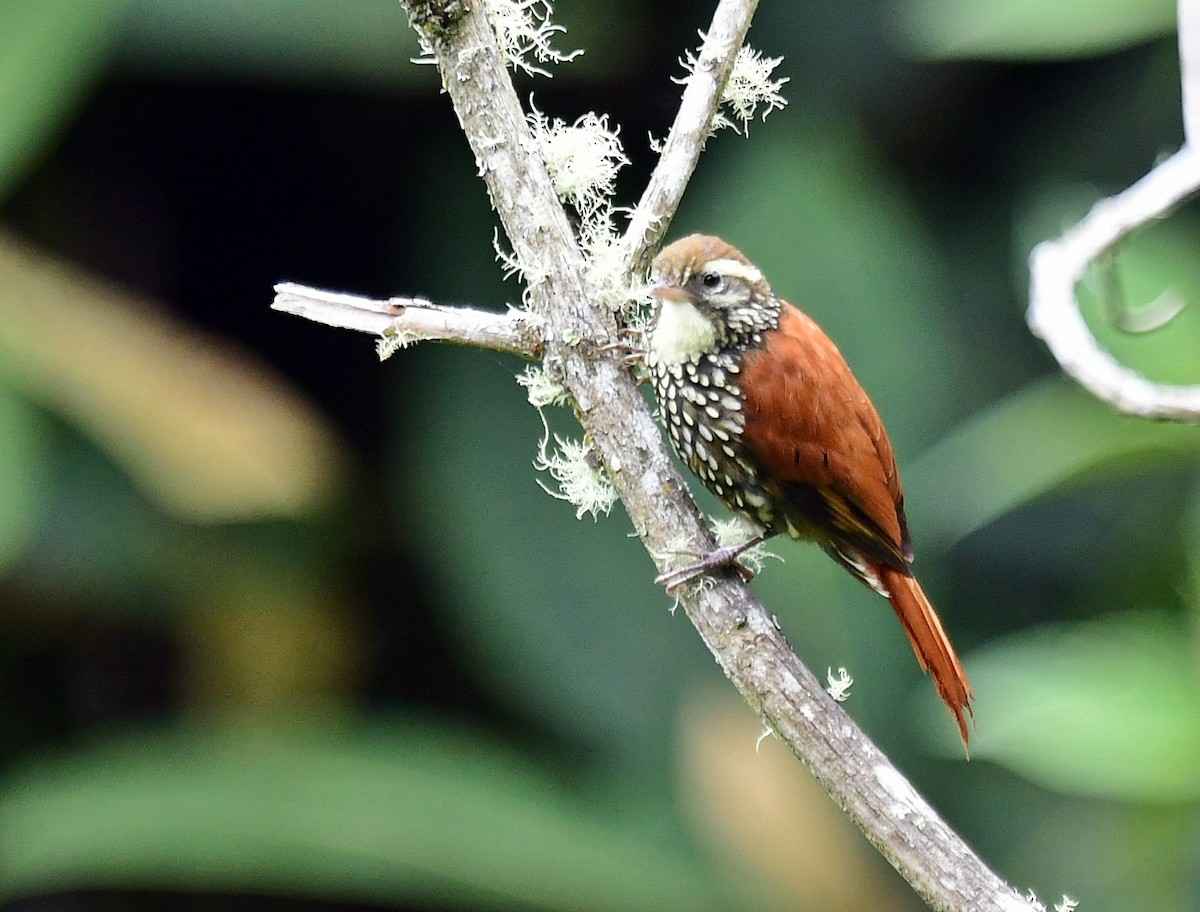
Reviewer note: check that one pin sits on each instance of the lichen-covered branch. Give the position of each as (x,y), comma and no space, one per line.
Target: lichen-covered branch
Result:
(1058,266)
(576,332)
(693,122)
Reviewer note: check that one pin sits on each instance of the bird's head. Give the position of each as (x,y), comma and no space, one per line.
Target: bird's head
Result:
(708,295)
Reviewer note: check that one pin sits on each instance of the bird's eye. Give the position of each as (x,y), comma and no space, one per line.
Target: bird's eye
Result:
(711,279)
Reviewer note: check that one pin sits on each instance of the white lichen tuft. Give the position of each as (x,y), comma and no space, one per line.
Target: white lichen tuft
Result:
(541,388)
(394,340)
(583,158)
(612,284)
(749,88)
(763,736)
(513,266)
(734,531)
(581,479)
(1066,904)
(524,30)
(838,684)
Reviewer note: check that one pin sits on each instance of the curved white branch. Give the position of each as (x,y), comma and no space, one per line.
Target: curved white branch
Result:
(1057,267)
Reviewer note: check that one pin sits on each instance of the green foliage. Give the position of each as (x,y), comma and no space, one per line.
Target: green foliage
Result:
(21,476)
(1029,445)
(1031,29)
(561,616)
(1152,264)
(362,43)
(40,85)
(406,814)
(1103,709)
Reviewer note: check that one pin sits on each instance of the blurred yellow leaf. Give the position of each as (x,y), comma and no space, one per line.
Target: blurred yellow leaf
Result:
(203,428)
(765,813)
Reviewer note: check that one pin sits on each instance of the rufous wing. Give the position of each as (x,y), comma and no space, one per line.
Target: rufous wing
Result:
(816,433)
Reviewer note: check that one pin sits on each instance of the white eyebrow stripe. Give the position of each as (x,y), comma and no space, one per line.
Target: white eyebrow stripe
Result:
(734,268)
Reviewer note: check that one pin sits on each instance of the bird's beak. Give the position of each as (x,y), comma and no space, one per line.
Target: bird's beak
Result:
(670,290)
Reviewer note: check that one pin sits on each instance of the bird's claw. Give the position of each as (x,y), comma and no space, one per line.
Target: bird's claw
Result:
(714,560)
(630,354)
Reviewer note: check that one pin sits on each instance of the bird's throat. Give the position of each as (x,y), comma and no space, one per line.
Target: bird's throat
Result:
(681,333)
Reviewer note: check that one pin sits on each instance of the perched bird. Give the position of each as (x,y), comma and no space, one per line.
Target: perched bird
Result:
(760,404)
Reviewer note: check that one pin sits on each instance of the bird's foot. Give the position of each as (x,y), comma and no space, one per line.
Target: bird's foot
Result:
(713,560)
(631,354)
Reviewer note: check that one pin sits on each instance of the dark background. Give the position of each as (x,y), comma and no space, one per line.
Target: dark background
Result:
(282,627)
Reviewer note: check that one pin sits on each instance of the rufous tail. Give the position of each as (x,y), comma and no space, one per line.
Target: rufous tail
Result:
(930,643)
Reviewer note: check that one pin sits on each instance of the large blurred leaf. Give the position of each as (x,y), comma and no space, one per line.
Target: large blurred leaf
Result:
(50,53)
(407,815)
(1027,446)
(1107,709)
(207,431)
(766,816)
(1030,29)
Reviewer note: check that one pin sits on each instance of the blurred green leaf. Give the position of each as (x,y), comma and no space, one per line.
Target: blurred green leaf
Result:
(1107,709)
(50,53)
(208,431)
(1152,266)
(21,476)
(359,42)
(1026,446)
(1157,261)
(1030,29)
(362,43)
(406,814)
(559,616)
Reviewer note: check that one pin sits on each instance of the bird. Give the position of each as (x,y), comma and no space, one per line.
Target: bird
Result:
(759,403)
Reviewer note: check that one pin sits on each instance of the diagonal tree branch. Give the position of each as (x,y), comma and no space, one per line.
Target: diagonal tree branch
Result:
(574,345)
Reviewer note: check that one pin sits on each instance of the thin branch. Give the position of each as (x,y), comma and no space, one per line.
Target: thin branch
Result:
(514,331)
(733,624)
(1189,68)
(1057,267)
(681,151)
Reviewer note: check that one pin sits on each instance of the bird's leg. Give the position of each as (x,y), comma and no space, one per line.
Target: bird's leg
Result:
(719,557)
(631,354)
